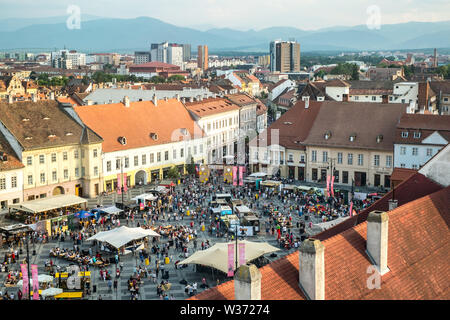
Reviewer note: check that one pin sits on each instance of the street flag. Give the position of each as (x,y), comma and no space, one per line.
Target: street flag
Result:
(241,254)
(125,188)
(332,186)
(23,268)
(235,176)
(351,209)
(328,186)
(241,175)
(231,259)
(119,184)
(34,273)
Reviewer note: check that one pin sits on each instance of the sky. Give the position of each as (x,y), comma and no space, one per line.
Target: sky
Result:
(239,14)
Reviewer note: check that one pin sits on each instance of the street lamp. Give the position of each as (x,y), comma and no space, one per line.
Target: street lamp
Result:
(28,267)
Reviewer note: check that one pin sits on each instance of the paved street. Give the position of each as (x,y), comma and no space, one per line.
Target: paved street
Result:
(148,289)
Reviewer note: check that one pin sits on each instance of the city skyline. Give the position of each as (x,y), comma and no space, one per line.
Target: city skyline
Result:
(206,14)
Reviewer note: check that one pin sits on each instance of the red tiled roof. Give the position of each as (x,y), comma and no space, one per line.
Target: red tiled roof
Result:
(210,106)
(413,188)
(402,174)
(137,122)
(294,125)
(418,255)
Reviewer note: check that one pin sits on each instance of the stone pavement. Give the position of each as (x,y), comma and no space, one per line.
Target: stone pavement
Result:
(148,289)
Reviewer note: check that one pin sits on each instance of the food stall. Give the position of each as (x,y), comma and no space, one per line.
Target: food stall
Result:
(251,220)
(225,210)
(235,203)
(241,210)
(226,196)
(13,233)
(271,184)
(51,214)
(228,221)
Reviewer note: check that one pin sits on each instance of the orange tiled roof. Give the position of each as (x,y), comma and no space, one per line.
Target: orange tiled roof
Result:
(137,122)
(240,99)
(211,106)
(418,255)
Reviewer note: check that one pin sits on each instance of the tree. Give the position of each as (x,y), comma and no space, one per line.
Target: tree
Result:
(173,173)
(157,79)
(175,78)
(355,72)
(191,166)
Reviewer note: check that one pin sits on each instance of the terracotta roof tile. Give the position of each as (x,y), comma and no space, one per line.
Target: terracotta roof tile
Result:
(210,106)
(418,255)
(137,122)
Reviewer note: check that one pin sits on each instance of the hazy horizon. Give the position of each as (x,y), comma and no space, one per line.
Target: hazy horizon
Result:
(252,14)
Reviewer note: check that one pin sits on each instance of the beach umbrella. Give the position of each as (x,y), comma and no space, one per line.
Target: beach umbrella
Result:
(83,214)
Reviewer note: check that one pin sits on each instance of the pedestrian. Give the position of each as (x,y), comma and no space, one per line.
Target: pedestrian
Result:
(110,284)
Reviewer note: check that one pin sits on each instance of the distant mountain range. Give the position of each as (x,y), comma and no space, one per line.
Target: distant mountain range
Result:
(111,34)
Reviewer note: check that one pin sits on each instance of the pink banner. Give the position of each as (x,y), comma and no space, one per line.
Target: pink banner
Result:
(332,186)
(125,188)
(235,176)
(241,254)
(34,273)
(241,175)
(230,259)
(351,209)
(119,184)
(23,268)
(328,186)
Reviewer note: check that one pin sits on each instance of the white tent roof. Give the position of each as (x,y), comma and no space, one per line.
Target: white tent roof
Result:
(121,236)
(51,203)
(110,210)
(258,174)
(217,255)
(145,196)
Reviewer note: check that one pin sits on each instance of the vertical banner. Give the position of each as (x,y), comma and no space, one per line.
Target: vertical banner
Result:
(23,268)
(241,254)
(34,273)
(241,175)
(328,186)
(351,209)
(119,184)
(231,259)
(234,176)
(332,186)
(125,188)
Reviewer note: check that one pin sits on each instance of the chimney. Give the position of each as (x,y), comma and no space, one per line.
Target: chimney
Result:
(191,99)
(33,97)
(126,101)
(52,95)
(312,269)
(177,96)
(377,239)
(306,99)
(393,204)
(10,98)
(247,283)
(155,100)
(90,102)
(183,100)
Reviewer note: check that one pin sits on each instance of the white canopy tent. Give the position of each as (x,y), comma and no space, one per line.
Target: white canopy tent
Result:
(217,255)
(145,196)
(121,236)
(258,174)
(51,203)
(110,210)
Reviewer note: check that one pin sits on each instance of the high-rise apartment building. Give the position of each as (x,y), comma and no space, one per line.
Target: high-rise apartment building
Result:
(186,52)
(202,57)
(175,54)
(141,57)
(284,56)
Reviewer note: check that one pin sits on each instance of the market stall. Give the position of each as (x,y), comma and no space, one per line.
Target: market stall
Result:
(52,212)
(217,256)
(12,234)
(120,237)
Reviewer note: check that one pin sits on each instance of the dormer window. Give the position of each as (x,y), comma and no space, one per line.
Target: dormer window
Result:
(417,135)
(379,138)
(52,136)
(327,135)
(69,134)
(46,118)
(352,137)
(154,136)
(28,138)
(25,119)
(287,123)
(404,134)
(122,140)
